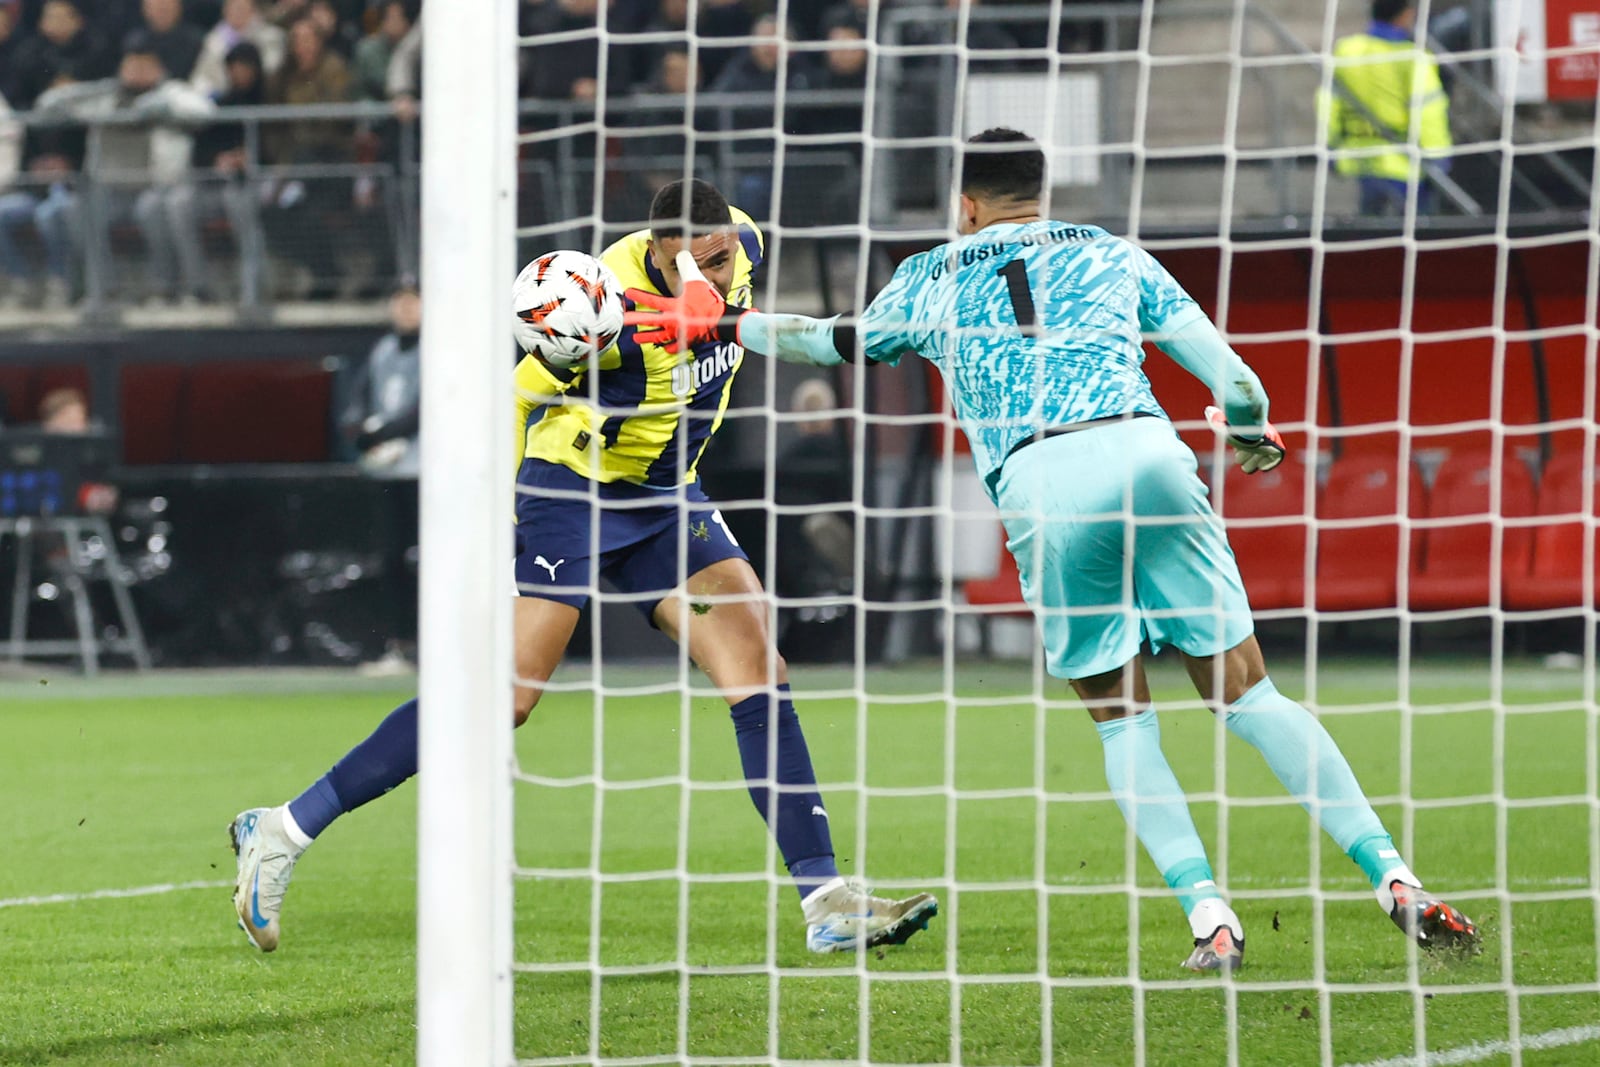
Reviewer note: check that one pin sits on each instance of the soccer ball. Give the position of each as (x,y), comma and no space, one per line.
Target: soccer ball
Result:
(568,307)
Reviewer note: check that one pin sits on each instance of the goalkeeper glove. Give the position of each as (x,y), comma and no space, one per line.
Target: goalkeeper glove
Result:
(1251,453)
(699,315)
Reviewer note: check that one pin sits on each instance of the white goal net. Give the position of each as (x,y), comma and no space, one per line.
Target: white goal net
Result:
(1422,567)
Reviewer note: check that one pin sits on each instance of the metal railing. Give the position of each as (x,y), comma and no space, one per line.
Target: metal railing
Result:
(177,218)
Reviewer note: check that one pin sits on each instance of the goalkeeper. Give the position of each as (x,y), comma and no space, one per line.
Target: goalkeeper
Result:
(1036,327)
(616,447)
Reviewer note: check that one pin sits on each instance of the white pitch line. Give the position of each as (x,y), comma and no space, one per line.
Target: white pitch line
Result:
(1477,1052)
(109,894)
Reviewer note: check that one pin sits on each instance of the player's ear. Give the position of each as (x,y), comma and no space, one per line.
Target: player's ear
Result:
(967,219)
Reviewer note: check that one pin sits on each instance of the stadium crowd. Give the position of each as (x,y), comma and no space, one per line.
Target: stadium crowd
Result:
(169,70)
(171,173)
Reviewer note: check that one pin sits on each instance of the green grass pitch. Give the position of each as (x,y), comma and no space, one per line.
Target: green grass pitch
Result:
(129,783)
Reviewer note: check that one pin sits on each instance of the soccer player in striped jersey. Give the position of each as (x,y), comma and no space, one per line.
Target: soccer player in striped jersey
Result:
(1036,327)
(608,458)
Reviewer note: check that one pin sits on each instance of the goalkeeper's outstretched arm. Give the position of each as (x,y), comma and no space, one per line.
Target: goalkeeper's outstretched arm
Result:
(797,338)
(1195,345)
(700,314)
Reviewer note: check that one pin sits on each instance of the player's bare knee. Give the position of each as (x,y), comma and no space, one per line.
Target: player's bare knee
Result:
(523,701)
(779,667)
(1245,669)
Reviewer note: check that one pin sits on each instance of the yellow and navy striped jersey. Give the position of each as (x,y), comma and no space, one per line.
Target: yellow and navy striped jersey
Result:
(640,414)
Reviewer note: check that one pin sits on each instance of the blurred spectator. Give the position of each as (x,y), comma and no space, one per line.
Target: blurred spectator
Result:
(380,416)
(755,73)
(10,38)
(714,19)
(241,22)
(568,70)
(174,40)
(311,75)
(143,169)
(844,67)
(64,411)
(676,72)
(63,47)
(340,34)
(405,74)
(220,154)
(52,158)
(755,70)
(300,209)
(13,265)
(656,159)
(846,13)
(285,13)
(815,550)
(372,55)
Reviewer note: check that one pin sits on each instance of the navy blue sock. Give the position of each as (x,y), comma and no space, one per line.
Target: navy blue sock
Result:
(385,759)
(797,817)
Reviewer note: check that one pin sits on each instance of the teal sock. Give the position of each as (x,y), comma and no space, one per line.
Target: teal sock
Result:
(1153,803)
(1309,764)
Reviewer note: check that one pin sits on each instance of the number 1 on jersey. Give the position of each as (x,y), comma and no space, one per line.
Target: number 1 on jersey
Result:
(1016,275)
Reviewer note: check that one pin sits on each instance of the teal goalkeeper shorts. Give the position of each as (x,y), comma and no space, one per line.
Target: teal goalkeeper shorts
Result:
(1116,543)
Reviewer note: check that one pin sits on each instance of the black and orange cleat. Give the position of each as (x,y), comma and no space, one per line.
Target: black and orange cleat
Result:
(1222,951)
(1430,922)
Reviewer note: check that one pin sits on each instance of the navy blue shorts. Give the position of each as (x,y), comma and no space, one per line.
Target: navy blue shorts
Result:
(649,541)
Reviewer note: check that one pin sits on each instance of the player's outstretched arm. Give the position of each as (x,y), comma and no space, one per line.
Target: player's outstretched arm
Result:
(1241,411)
(700,314)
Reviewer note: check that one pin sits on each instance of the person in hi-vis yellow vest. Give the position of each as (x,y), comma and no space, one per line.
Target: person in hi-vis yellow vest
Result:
(1383,83)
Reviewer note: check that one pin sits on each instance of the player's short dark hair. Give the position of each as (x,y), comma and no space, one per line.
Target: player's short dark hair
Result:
(1013,171)
(1389,10)
(708,208)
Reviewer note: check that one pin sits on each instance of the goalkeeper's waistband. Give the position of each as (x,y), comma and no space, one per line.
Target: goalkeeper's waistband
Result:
(1056,431)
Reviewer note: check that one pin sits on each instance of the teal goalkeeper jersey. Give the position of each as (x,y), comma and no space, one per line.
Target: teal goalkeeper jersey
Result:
(1032,325)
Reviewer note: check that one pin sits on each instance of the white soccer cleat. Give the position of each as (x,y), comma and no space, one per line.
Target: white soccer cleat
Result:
(266,862)
(1222,951)
(841,916)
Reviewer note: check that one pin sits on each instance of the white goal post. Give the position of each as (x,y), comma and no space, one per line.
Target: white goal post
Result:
(1191,127)
(464,785)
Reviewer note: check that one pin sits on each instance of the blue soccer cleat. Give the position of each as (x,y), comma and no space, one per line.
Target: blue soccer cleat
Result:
(266,862)
(842,916)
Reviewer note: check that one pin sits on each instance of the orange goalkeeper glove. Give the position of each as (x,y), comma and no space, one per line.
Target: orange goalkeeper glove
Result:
(699,315)
(1252,454)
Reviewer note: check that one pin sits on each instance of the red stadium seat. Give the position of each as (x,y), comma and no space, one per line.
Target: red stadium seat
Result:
(1554,578)
(1565,347)
(1451,377)
(1453,570)
(1358,566)
(1271,554)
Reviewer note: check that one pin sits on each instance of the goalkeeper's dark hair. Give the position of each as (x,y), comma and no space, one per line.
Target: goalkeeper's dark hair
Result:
(1003,164)
(1389,10)
(708,208)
